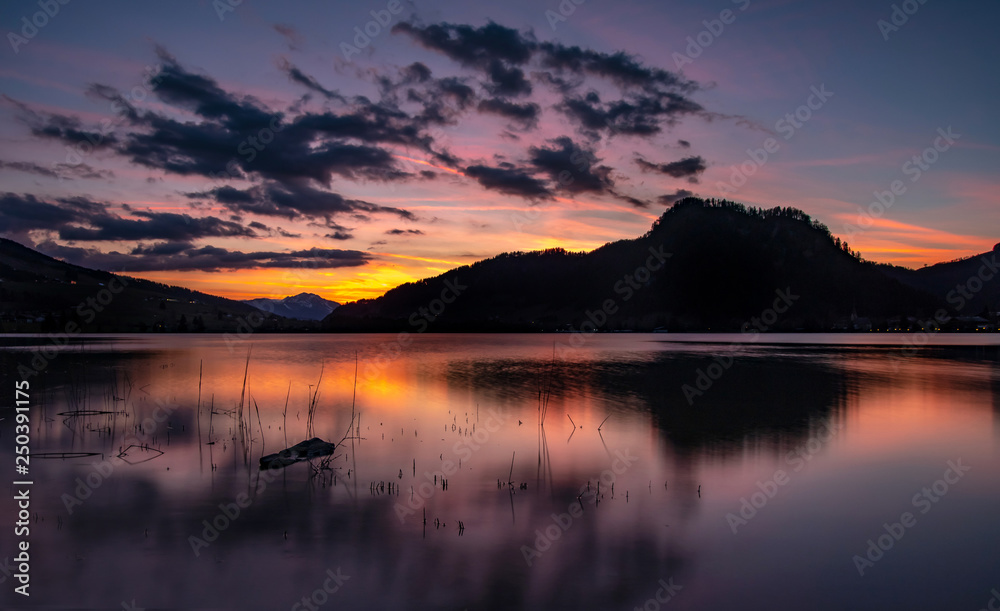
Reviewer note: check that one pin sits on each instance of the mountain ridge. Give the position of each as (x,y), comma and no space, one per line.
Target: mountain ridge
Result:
(727,262)
(41,294)
(704,265)
(303,306)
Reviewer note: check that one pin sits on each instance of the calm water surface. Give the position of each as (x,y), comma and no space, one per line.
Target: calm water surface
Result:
(749,476)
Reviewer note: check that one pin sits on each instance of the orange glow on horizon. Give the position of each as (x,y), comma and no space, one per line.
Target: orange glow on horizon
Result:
(580,225)
(888,241)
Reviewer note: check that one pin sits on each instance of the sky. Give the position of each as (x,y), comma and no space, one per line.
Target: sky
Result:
(262,149)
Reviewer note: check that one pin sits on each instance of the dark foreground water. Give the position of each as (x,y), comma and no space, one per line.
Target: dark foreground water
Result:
(817,472)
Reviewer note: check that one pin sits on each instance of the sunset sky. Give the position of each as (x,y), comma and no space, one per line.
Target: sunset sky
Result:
(265,149)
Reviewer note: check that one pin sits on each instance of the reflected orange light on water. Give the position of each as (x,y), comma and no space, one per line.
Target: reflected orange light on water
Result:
(924,406)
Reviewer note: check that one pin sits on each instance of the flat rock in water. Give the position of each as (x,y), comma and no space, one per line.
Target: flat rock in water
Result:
(304,450)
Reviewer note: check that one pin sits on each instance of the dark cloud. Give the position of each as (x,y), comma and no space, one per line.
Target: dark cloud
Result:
(440,101)
(59,171)
(404,232)
(293,200)
(205,258)
(68,171)
(309,82)
(509,181)
(257,225)
(620,68)
(55,126)
(237,136)
(470,46)
(81,219)
(671,198)
(231,197)
(28,168)
(495,50)
(559,83)
(573,168)
(524,115)
(651,97)
(417,72)
(689,167)
(153,225)
(371,124)
(499,52)
(635,201)
(289,162)
(119,104)
(22,213)
(634,115)
(203,96)
(162,248)
(506,80)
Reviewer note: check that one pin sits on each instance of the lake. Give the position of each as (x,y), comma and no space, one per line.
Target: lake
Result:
(670,471)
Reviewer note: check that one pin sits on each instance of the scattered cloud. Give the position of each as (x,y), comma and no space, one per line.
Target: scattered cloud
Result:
(689,167)
(509,180)
(672,198)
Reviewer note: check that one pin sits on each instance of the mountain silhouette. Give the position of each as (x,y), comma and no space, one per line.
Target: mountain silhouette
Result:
(969,286)
(40,294)
(304,306)
(705,265)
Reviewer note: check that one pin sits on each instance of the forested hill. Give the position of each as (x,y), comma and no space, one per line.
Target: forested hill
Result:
(704,265)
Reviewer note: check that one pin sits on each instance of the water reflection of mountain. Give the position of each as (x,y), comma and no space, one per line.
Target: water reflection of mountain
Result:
(756,394)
